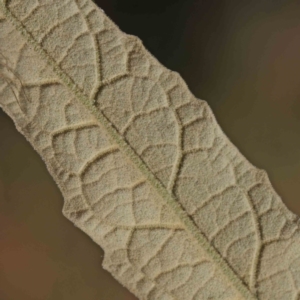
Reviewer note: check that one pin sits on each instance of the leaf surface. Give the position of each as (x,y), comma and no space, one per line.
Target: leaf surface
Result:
(144,168)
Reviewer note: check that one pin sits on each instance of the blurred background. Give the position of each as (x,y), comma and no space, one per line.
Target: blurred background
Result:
(242,57)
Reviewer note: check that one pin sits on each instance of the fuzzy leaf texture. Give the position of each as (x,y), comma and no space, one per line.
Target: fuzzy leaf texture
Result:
(143,166)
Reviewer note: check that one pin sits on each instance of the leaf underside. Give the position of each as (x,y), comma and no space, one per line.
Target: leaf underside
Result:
(144,168)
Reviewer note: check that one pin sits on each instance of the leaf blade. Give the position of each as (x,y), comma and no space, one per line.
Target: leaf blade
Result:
(182,115)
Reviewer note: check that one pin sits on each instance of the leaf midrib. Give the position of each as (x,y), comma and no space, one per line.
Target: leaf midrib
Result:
(189,225)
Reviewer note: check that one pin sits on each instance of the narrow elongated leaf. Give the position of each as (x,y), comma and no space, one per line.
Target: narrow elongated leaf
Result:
(144,168)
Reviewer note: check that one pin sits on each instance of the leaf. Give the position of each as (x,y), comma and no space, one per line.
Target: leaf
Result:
(144,168)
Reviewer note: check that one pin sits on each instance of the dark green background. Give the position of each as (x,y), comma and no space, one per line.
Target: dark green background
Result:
(243,57)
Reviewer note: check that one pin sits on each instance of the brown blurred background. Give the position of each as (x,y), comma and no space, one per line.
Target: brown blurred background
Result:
(243,57)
